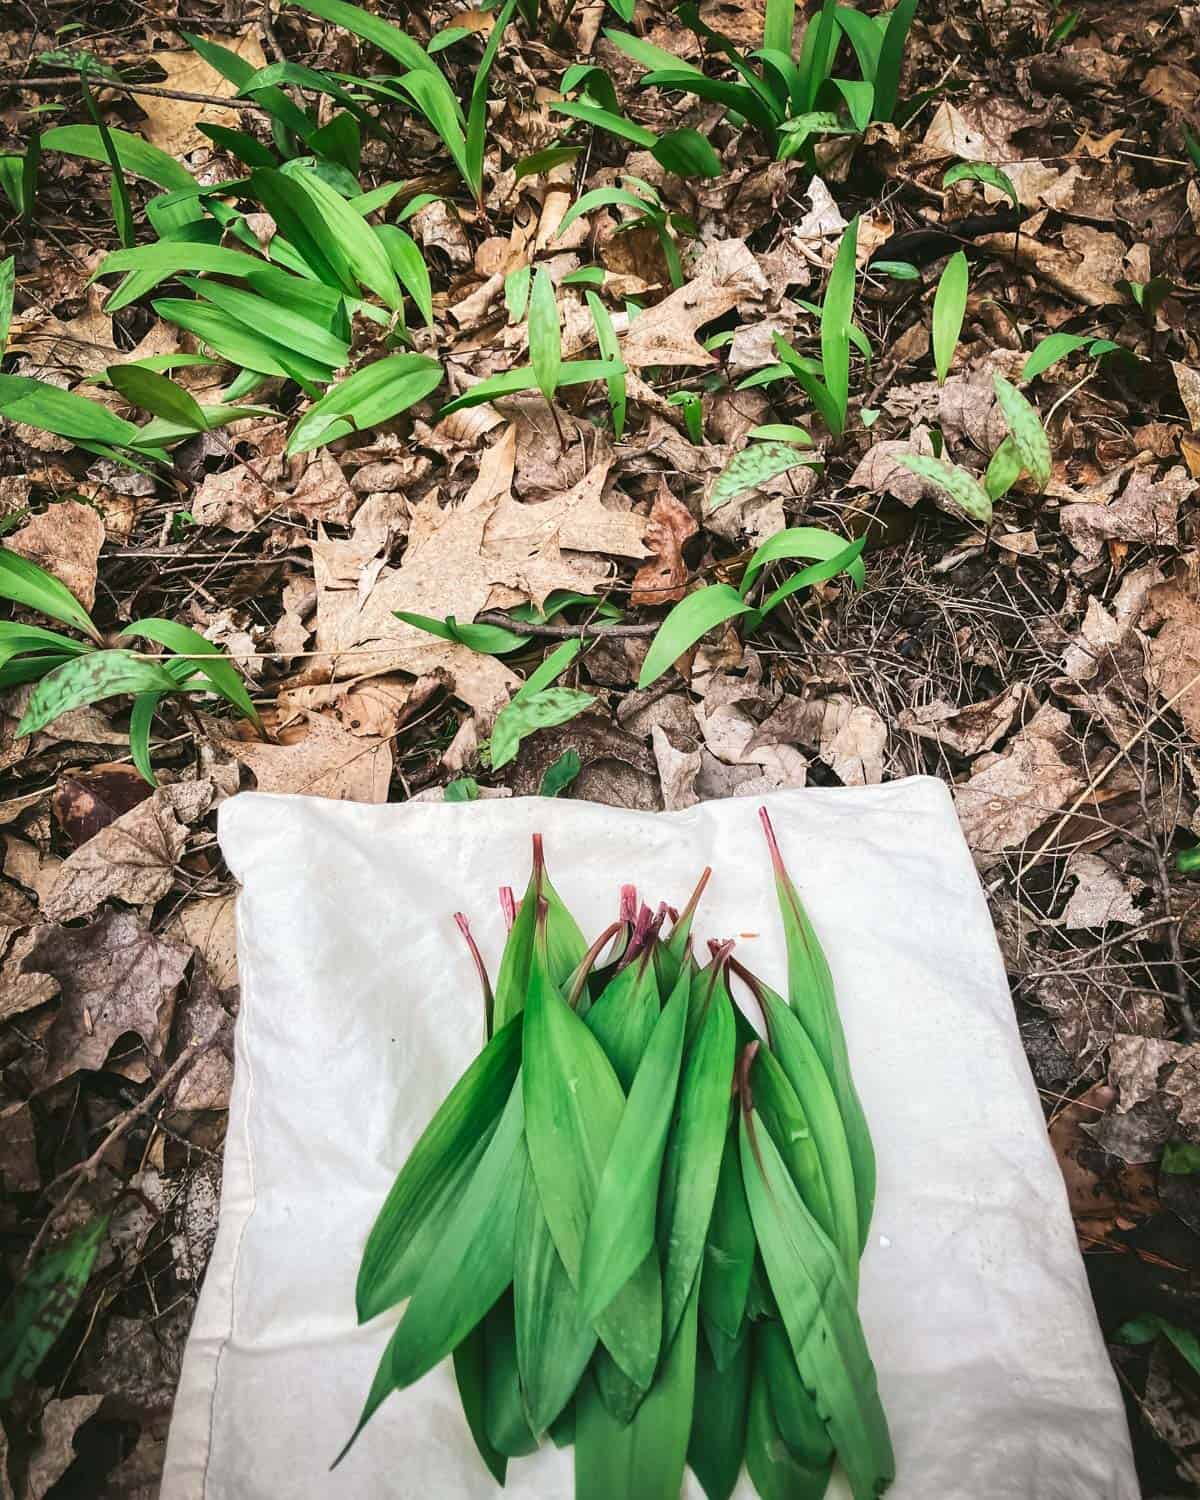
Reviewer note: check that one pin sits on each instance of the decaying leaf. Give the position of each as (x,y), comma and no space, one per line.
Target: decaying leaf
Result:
(968,730)
(132,858)
(55,1451)
(666,333)
(1010,796)
(114,977)
(325,761)
(65,539)
(663,580)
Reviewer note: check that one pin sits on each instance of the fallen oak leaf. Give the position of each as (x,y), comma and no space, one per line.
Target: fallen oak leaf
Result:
(327,762)
(663,579)
(665,334)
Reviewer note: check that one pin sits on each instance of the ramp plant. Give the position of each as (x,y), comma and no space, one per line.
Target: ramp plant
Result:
(634,1224)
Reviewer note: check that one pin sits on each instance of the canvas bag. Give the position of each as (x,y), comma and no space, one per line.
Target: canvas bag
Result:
(360,1008)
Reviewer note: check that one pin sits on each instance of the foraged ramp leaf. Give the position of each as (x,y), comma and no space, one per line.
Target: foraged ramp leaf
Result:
(1027,431)
(753,466)
(522,717)
(436,1173)
(817,1308)
(963,488)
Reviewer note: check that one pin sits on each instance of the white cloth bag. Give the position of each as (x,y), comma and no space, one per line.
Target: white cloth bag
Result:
(360,1008)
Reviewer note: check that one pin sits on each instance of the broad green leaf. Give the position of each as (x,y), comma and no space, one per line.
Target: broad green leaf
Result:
(693,617)
(545,334)
(1054,347)
(982,171)
(16,636)
(694,1149)
(435,99)
(238,343)
(837,315)
(283,196)
(573,1107)
(539,710)
(780,432)
(516,292)
(593,82)
(621,1230)
(687,153)
(646,53)
(558,777)
(371,395)
(605,119)
(753,466)
(370,28)
(7,283)
(898,270)
(362,248)
(603,197)
(571,372)
(155,263)
(208,659)
(122,208)
(1142,1330)
(891,59)
(865,37)
(718,1440)
(493,640)
(818,572)
(949,309)
(729,1250)
(1025,426)
(775,1472)
(40,1305)
(23,582)
(39,404)
(463,789)
(799,541)
(812,1000)
(959,484)
(565,944)
(409,265)
(739,98)
(796,1413)
(157,395)
(860,100)
(545,161)
(134,154)
(141,721)
(610,349)
(505,1418)
(817,1307)
(239,144)
(778,23)
(554,1339)
(477,110)
(1003,471)
(585,276)
(470,1368)
(786,1119)
(87,679)
(467,1270)
(283,325)
(644,1459)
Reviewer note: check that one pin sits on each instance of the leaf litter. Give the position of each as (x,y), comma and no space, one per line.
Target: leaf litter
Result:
(1045,666)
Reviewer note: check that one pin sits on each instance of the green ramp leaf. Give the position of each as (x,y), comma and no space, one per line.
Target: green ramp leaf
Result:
(689,620)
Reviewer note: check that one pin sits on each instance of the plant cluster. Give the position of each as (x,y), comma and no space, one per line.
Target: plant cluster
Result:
(635,1222)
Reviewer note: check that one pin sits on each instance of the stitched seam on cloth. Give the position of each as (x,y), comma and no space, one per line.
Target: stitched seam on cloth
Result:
(245,1007)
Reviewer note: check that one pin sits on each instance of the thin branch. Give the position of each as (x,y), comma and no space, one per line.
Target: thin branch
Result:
(564,632)
(158,92)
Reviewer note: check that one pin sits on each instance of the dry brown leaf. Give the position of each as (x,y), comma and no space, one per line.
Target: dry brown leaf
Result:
(210,926)
(18,1154)
(853,739)
(1010,796)
(55,1452)
(664,579)
(132,858)
(1146,511)
(1175,651)
(323,493)
(327,762)
(1102,894)
(1087,268)
(65,540)
(21,991)
(881,472)
(1188,382)
(114,977)
(966,729)
(171,123)
(666,333)
(678,768)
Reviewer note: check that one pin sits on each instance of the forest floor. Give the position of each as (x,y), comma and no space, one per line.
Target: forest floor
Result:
(1046,665)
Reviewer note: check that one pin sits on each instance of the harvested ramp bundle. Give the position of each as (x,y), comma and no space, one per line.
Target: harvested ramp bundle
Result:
(361,1011)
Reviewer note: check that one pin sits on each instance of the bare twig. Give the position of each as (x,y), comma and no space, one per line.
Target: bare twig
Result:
(564,632)
(67,79)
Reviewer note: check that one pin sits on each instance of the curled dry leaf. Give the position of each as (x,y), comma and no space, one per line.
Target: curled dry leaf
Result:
(678,768)
(55,1451)
(1102,894)
(853,739)
(664,579)
(114,977)
(210,926)
(1146,511)
(969,729)
(666,333)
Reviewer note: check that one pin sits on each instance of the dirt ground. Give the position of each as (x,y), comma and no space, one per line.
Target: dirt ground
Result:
(1046,665)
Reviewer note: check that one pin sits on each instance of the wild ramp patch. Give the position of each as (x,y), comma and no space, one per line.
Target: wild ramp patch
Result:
(309,429)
